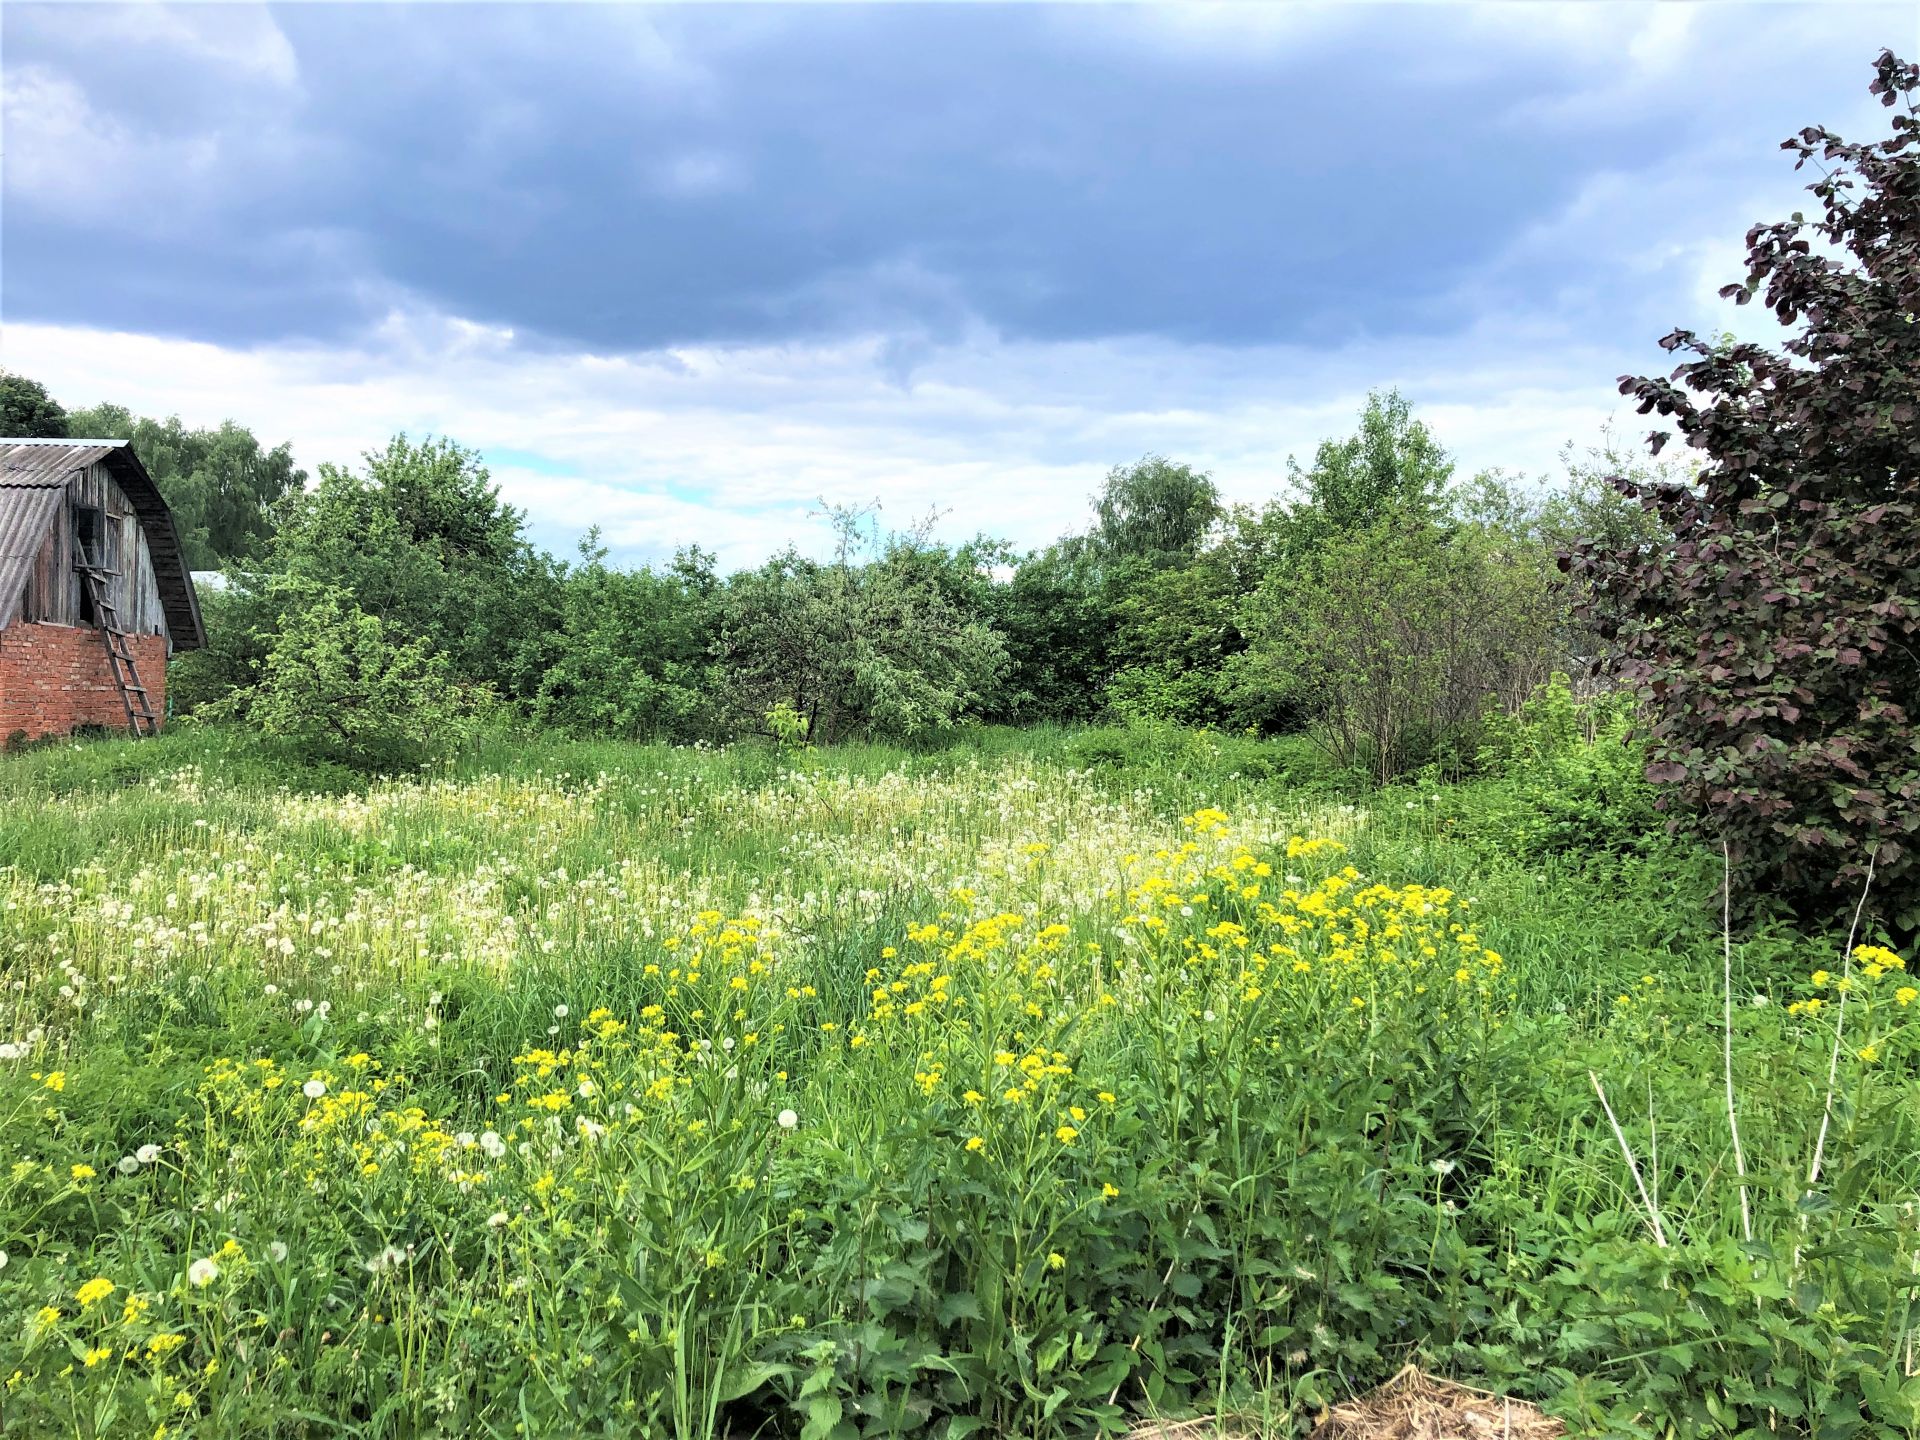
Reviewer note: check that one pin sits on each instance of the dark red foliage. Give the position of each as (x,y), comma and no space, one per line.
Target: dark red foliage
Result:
(1774,641)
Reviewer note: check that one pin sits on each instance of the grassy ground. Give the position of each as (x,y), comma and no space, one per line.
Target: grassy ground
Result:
(1023,1085)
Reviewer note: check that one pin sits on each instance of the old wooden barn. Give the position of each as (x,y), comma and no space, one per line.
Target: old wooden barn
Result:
(94,590)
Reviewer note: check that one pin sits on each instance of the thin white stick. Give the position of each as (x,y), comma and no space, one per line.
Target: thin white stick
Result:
(1733,1119)
(1839,1025)
(1653,1214)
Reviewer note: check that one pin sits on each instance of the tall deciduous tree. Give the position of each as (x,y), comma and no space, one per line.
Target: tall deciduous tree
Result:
(220,484)
(1777,640)
(1155,511)
(27,412)
(1391,465)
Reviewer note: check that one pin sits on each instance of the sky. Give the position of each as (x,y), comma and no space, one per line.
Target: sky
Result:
(686,272)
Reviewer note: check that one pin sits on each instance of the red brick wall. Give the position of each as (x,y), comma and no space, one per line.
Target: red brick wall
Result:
(56,677)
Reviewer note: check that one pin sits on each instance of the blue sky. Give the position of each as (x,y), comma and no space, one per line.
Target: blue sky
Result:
(682,271)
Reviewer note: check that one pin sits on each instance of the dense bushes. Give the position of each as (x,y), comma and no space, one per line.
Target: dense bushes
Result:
(1149,617)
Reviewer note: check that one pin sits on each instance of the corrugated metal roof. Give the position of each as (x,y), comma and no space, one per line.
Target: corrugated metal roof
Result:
(38,463)
(45,467)
(25,514)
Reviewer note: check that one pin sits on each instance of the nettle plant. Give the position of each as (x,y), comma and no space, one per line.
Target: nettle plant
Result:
(1776,639)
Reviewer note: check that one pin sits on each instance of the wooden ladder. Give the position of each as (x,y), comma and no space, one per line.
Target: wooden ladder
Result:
(126,674)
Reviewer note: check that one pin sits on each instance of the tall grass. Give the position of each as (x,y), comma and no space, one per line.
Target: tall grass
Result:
(1017,1086)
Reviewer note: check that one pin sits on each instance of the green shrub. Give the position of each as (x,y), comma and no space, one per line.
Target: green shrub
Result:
(338,687)
(1568,776)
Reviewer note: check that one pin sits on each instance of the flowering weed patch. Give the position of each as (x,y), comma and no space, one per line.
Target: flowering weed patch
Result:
(992,1097)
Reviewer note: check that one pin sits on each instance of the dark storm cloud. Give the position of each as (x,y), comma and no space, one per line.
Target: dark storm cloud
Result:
(617,180)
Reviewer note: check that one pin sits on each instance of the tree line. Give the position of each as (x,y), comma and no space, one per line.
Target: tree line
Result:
(1377,603)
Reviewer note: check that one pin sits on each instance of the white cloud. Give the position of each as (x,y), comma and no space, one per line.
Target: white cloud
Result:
(696,173)
(730,447)
(243,40)
(68,159)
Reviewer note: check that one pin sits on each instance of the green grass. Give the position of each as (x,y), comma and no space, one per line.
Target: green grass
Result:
(544,1187)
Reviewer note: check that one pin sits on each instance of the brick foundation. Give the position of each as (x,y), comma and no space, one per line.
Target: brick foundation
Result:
(54,678)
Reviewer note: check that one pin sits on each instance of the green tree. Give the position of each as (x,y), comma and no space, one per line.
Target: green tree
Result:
(221,484)
(879,641)
(1154,511)
(1394,639)
(631,657)
(1391,464)
(27,412)
(1053,616)
(338,686)
(420,537)
(1776,640)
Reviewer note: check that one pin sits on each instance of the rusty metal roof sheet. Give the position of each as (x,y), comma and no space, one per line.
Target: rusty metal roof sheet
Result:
(43,468)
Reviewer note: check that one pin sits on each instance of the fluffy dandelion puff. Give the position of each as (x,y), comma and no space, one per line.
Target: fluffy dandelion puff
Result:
(559,1012)
(147,1154)
(202,1272)
(276,1252)
(786,1119)
(126,1164)
(314,1089)
(491,1142)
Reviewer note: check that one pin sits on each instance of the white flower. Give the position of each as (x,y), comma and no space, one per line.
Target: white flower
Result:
(465,1140)
(559,1012)
(126,1164)
(491,1142)
(589,1129)
(272,990)
(203,1272)
(497,1220)
(1441,1167)
(302,1006)
(147,1154)
(314,1089)
(3,1259)
(386,1260)
(11,1051)
(786,1119)
(276,1252)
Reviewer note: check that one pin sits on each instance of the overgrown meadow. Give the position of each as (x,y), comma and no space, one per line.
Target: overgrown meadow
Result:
(1023,1087)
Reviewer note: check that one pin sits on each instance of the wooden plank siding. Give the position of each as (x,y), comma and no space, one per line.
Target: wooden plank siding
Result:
(52,594)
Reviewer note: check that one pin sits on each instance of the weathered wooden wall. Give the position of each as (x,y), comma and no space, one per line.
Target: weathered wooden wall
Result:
(52,592)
